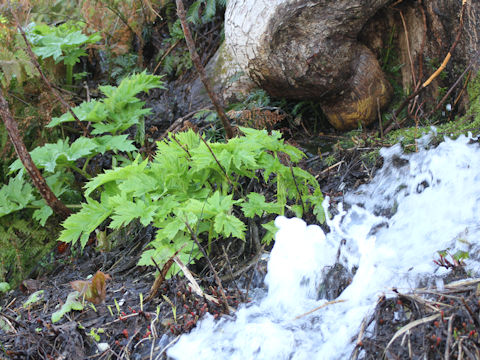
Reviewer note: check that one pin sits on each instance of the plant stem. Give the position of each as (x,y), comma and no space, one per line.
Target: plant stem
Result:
(69,75)
(80,171)
(210,265)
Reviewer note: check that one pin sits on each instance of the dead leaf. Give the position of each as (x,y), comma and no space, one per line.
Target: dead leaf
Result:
(94,289)
(29,286)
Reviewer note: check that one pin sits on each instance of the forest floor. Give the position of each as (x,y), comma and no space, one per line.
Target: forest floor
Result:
(128,326)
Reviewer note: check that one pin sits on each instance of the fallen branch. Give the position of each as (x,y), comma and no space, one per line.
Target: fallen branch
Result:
(319,307)
(201,71)
(411,326)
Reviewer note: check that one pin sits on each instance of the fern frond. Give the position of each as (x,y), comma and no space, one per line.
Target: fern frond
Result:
(210,10)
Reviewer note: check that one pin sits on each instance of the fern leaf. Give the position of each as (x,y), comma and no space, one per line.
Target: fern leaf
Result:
(193,13)
(210,10)
(15,196)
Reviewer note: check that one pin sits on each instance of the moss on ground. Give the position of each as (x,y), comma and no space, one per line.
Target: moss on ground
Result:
(470,122)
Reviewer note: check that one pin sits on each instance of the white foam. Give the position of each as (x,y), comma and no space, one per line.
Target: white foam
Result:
(415,206)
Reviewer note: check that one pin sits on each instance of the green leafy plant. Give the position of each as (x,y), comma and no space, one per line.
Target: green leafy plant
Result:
(4,287)
(200,12)
(94,333)
(203,11)
(64,43)
(34,299)
(124,65)
(72,303)
(119,110)
(194,184)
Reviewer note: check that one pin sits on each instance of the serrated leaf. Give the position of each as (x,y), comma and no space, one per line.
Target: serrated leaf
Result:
(121,173)
(115,143)
(125,211)
(14,196)
(194,11)
(42,214)
(210,10)
(257,205)
(86,111)
(84,222)
(220,203)
(80,148)
(271,231)
(229,225)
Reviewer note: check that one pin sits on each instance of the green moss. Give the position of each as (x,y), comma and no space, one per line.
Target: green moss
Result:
(470,122)
(24,247)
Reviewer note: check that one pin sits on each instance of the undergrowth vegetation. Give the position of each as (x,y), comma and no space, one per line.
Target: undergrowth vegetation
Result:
(190,184)
(195,185)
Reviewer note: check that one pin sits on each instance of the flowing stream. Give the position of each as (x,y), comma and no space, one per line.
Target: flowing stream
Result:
(416,205)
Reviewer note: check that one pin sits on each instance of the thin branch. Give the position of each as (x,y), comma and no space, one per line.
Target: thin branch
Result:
(296,186)
(218,162)
(201,71)
(12,129)
(450,90)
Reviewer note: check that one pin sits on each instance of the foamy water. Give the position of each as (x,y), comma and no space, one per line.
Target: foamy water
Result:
(416,205)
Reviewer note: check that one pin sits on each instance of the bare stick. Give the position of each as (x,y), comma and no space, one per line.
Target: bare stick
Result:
(57,206)
(201,71)
(445,97)
(449,337)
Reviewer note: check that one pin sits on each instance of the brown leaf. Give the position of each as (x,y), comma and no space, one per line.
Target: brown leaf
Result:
(29,286)
(93,290)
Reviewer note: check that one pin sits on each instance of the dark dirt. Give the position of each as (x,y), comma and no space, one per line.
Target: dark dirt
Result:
(132,328)
(425,324)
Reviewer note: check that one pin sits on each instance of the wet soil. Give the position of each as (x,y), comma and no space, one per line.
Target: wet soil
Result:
(125,325)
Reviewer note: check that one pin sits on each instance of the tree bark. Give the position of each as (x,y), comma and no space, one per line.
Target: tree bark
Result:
(57,206)
(308,49)
(328,51)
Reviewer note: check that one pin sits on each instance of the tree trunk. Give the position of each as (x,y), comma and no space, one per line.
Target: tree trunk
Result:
(327,50)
